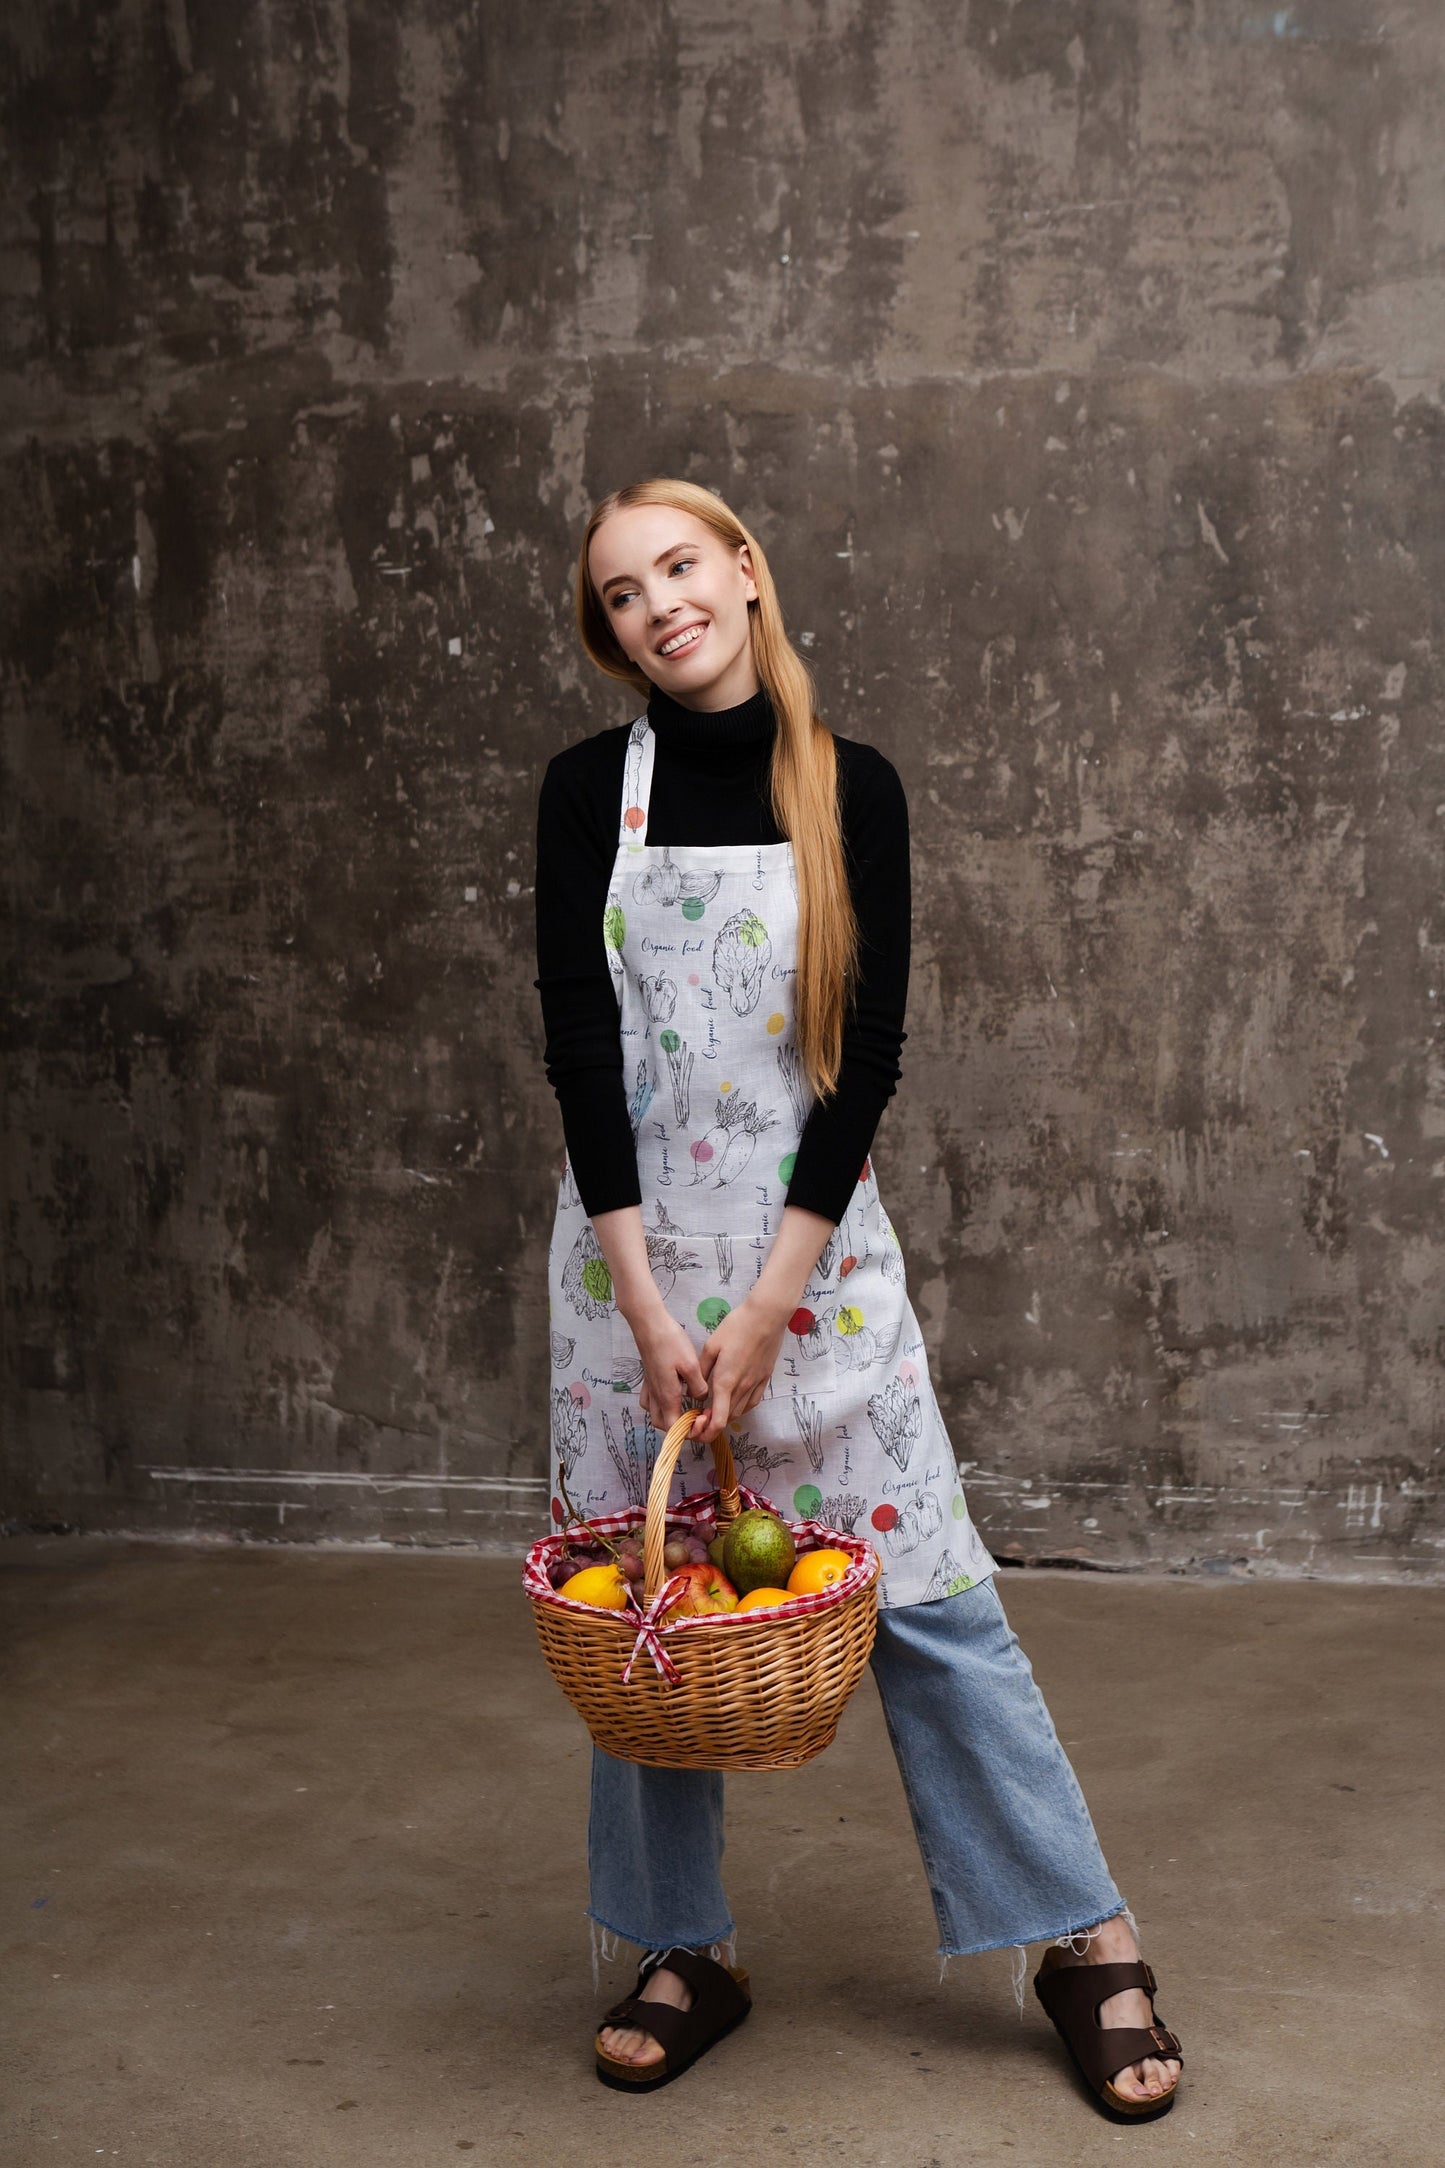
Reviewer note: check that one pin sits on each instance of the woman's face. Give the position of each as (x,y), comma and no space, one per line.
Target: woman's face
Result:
(660,573)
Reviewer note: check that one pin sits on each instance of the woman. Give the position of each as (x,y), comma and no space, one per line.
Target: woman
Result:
(723,930)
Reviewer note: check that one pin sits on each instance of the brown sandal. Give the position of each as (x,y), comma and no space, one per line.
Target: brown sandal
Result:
(720,2000)
(1071,1994)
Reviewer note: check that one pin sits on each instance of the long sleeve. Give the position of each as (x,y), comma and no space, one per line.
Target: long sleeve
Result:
(839,1131)
(576,845)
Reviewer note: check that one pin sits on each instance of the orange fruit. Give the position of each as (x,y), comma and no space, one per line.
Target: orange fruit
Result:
(763,1599)
(817,1570)
(601,1586)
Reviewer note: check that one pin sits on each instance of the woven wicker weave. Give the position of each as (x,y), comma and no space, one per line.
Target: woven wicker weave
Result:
(760,1690)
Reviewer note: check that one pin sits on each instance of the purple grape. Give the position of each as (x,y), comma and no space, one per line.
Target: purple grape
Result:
(633,1569)
(696,1550)
(676,1554)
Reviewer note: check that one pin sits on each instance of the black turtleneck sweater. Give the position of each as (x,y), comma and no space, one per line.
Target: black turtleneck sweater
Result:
(710,784)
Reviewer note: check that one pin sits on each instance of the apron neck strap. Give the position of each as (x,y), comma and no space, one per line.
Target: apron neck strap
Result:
(636,785)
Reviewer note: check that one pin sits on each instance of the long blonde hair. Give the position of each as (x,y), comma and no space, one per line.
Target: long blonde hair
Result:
(804,771)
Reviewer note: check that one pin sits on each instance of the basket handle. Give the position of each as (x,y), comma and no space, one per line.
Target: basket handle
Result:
(729,1504)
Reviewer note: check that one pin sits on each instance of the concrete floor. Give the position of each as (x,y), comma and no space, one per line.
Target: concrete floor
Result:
(294,1877)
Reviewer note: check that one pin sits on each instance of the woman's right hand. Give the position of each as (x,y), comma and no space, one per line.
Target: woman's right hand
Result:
(670,1368)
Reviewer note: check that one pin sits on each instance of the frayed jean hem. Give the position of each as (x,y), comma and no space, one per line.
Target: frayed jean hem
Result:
(640,1942)
(1038,1934)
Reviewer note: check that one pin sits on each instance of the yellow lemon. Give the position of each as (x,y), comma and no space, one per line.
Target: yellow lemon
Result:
(763,1599)
(601,1586)
(817,1570)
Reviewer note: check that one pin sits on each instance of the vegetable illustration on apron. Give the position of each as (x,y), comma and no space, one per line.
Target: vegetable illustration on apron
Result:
(701,944)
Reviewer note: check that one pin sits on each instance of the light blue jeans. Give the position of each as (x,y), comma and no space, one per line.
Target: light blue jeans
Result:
(1008,1846)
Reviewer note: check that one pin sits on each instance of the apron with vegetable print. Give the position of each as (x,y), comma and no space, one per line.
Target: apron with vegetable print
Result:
(701,943)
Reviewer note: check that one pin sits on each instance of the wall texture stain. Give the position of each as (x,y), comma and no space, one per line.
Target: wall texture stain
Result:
(1080,367)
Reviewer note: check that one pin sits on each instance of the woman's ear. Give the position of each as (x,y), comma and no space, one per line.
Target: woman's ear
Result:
(745,566)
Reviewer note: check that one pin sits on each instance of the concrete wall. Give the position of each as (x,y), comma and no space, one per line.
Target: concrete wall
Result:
(1079,363)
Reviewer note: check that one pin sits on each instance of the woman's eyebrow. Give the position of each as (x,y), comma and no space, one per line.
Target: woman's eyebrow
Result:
(621,578)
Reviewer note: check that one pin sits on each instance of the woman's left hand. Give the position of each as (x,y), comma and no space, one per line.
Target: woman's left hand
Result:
(737,1359)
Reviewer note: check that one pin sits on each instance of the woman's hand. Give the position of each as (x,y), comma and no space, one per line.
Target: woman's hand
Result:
(670,1367)
(738,1359)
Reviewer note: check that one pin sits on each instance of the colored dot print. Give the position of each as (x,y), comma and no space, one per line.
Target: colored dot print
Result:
(776,1022)
(580,1393)
(693,979)
(614,926)
(959,1508)
(711,1311)
(884,1518)
(801,1322)
(725,1086)
(806,1500)
(702,1151)
(908,1374)
(597,1280)
(849,1320)
(956,1588)
(786,1165)
(633,817)
(668,1041)
(847,1266)
(559,1511)
(693,908)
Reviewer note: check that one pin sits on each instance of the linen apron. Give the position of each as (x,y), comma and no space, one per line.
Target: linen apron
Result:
(702,946)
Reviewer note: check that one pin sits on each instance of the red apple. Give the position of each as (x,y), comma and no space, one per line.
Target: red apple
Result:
(705,1590)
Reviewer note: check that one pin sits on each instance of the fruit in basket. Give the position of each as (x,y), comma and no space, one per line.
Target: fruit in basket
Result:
(604,1587)
(715,1550)
(758,1551)
(819,1570)
(706,1591)
(763,1599)
(675,1553)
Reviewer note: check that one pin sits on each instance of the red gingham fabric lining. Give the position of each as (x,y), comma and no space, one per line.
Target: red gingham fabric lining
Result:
(650,1630)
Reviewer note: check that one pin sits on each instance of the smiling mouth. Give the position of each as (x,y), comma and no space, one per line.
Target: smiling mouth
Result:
(688,639)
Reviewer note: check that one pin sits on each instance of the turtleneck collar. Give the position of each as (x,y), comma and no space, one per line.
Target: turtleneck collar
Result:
(703,728)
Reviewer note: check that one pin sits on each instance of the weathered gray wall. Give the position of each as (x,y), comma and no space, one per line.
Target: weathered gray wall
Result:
(1080,364)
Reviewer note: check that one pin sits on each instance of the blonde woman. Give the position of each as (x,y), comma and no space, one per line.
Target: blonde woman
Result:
(723,944)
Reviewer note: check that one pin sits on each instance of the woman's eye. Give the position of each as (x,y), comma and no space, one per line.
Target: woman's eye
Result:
(683,561)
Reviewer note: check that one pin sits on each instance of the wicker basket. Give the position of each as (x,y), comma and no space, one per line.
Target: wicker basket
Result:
(751,1690)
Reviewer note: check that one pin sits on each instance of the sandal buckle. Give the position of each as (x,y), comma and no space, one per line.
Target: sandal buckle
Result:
(1165,2041)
